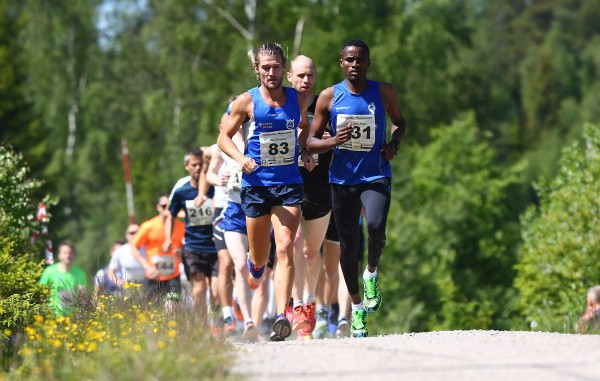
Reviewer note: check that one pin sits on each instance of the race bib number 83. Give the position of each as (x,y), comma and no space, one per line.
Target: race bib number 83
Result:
(277,148)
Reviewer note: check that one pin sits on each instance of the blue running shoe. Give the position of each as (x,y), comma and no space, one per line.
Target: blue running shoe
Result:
(281,328)
(333,319)
(255,272)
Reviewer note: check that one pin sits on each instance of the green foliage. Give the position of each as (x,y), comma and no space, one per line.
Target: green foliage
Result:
(450,234)
(77,77)
(21,296)
(20,292)
(560,242)
(16,205)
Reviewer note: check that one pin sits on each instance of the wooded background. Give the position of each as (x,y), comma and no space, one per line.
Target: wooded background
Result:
(496,199)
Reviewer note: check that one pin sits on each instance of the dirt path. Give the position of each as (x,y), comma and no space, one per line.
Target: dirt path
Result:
(453,355)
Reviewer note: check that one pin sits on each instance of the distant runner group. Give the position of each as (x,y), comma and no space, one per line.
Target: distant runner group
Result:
(277,207)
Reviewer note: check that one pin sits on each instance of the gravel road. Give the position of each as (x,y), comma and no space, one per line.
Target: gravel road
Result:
(450,355)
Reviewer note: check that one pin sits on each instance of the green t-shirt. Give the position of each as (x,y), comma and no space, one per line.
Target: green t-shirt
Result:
(64,286)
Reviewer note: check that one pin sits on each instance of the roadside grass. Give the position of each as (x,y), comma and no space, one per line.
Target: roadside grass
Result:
(119,338)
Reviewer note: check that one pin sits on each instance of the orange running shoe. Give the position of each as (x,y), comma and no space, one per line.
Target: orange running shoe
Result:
(228,326)
(215,330)
(299,319)
(303,335)
(237,312)
(311,317)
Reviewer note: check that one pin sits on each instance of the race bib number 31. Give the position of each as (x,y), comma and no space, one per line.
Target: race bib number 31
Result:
(199,216)
(363,131)
(277,148)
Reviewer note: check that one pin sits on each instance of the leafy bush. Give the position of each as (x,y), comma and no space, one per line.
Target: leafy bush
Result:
(561,245)
(21,297)
(450,230)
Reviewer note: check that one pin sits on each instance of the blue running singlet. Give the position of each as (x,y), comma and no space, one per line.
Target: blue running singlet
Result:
(272,142)
(360,159)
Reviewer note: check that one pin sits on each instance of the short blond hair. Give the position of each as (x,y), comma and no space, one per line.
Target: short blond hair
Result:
(267,49)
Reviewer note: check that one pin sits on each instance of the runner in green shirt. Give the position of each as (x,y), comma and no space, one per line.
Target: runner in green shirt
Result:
(67,282)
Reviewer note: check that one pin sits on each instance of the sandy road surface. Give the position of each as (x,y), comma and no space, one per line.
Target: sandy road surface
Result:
(452,355)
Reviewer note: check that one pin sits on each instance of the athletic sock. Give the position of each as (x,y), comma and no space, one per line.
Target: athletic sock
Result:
(227,312)
(297,302)
(369,275)
(357,307)
(309,299)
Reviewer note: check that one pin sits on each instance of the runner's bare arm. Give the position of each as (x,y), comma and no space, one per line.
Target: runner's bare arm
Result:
(314,142)
(212,176)
(304,127)
(389,98)
(168,233)
(241,112)
(150,269)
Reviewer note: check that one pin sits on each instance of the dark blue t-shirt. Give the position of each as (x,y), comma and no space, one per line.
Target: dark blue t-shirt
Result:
(198,221)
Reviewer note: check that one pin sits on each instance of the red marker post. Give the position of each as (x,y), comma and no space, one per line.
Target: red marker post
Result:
(42,217)
(128,187)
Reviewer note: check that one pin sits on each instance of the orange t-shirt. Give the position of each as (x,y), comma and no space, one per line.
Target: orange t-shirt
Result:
(152,235)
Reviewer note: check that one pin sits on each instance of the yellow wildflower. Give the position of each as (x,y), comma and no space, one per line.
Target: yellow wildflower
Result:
(57,343)
(142,318)
(161,344)
(172,333)
(137,347)
(38,319)
(81,347)
(172,323)
(7,332)
(92,347)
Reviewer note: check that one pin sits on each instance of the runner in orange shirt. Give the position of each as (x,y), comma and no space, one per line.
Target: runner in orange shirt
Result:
(162,268)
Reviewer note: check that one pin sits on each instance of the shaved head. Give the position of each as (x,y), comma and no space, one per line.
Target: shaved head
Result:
(302,74)
(302,61)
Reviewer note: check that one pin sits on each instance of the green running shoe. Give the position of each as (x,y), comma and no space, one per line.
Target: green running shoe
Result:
(371,296)
(321,325)
(358,327)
